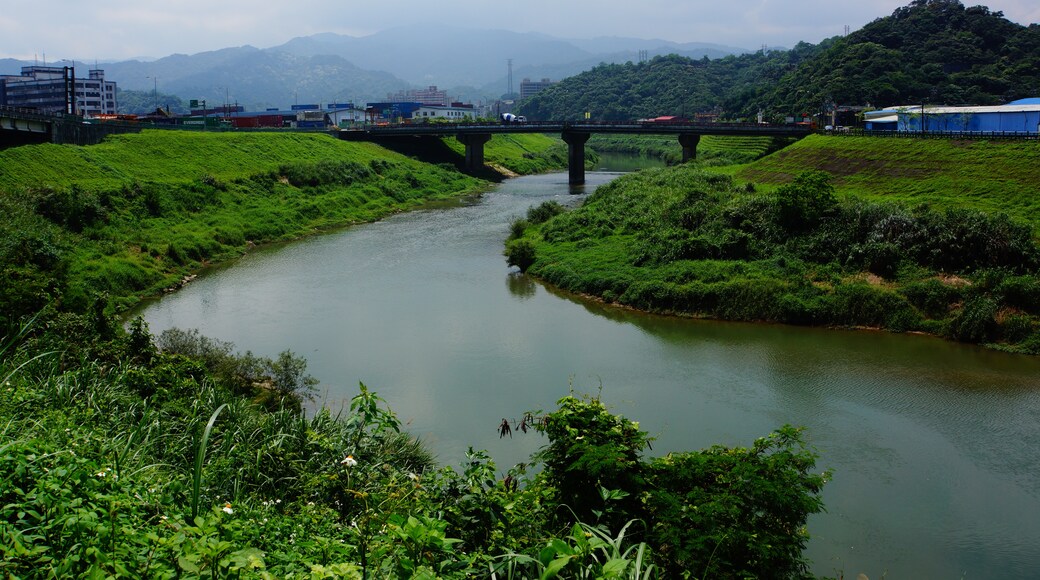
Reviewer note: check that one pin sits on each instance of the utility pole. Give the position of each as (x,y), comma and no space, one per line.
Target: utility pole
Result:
(155,92)
(510,77)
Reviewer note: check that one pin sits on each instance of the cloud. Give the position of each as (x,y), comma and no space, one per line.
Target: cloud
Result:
(120,29)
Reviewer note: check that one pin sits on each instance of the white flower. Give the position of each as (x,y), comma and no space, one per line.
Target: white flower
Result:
(349,461)
(227,509)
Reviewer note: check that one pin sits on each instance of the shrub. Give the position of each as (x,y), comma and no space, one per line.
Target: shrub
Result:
(735,512)
(805,200)
(592,458)
(520,253)
(932,297)
(976,321)
(544,212)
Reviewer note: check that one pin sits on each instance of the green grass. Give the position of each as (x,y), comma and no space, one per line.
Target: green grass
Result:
(134,214)
(992,176)
(715,149)
(689,241)
(522,153)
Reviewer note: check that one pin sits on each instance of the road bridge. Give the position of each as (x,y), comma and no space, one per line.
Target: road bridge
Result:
(26,126)
(575,134)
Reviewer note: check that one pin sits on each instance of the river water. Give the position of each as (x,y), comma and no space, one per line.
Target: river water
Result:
(935,446)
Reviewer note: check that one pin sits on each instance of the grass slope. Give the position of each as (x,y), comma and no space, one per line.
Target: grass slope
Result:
(132,215)
(717,148)
(521,153)
(992,176)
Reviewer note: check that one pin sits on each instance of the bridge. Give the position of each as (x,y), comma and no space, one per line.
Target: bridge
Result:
(575,134)
(23,126)
(27,126)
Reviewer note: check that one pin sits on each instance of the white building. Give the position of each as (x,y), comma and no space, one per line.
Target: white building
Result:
(46,89)
(453,113)
(344,117)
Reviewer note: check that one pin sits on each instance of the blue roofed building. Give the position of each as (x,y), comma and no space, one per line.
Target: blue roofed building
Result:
(1018,117)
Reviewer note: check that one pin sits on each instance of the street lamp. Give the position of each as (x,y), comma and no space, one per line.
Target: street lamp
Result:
(155,92)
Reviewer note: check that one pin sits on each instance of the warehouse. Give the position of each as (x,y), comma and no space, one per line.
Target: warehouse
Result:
(1017,117)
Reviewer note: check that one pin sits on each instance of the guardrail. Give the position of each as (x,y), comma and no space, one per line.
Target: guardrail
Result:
(968,135)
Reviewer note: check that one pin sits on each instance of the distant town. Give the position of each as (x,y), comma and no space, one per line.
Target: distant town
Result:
(57,89)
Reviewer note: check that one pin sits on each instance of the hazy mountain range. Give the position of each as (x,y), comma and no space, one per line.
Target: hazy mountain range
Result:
(470,64)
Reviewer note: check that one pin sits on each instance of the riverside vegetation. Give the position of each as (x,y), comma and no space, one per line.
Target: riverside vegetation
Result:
(907,249)
(128,455)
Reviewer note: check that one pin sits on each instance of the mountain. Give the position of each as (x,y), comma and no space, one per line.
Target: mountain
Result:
(450,56)
(441,55)
(470,64)
(255,78)
(933,51)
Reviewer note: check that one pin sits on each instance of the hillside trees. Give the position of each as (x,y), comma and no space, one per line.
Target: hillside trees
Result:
(932,51)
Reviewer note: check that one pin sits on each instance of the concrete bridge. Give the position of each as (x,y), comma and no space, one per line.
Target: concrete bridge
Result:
(26,127)
(575,134)
(22,127)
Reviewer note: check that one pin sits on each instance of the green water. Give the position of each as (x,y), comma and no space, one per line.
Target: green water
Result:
(935,446)
(609,161)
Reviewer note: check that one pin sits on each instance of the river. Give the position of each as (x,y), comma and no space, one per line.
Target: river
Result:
(935,446)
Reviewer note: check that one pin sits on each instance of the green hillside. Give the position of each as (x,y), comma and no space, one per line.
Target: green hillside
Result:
(134,214)
(992,176)
(934,51)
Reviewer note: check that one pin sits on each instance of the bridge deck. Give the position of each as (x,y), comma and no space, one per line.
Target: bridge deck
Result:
(444,129)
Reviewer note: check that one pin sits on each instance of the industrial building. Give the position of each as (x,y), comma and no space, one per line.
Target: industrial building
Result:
(1017,117)
(455,112)
(55,89)
(529,87)
(429,96)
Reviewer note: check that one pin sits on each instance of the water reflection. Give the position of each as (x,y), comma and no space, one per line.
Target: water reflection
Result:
(521,285)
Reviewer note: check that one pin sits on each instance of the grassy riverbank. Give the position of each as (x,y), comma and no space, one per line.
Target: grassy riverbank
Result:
(690,241)
(712,149)
(134,214)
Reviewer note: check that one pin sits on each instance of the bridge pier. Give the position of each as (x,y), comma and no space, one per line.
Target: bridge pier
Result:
(474,143)
(689,143)
(575,156)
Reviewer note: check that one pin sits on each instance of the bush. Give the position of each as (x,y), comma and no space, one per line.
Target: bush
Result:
(520,253)
(593,458)
(735,512)
(544,212)
(805,200)
(976,322)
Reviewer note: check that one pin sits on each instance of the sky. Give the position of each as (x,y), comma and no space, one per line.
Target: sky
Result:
(106,30)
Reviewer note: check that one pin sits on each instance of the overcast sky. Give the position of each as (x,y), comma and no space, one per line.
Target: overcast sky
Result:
(123,29)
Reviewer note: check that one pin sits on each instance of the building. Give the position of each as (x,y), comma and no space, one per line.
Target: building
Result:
(429,96)
(1021,117)
(392,110)
(455,112)
(345,116)
(53,89)
(529,87)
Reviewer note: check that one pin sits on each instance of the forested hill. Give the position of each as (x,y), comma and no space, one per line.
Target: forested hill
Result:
(935,51)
